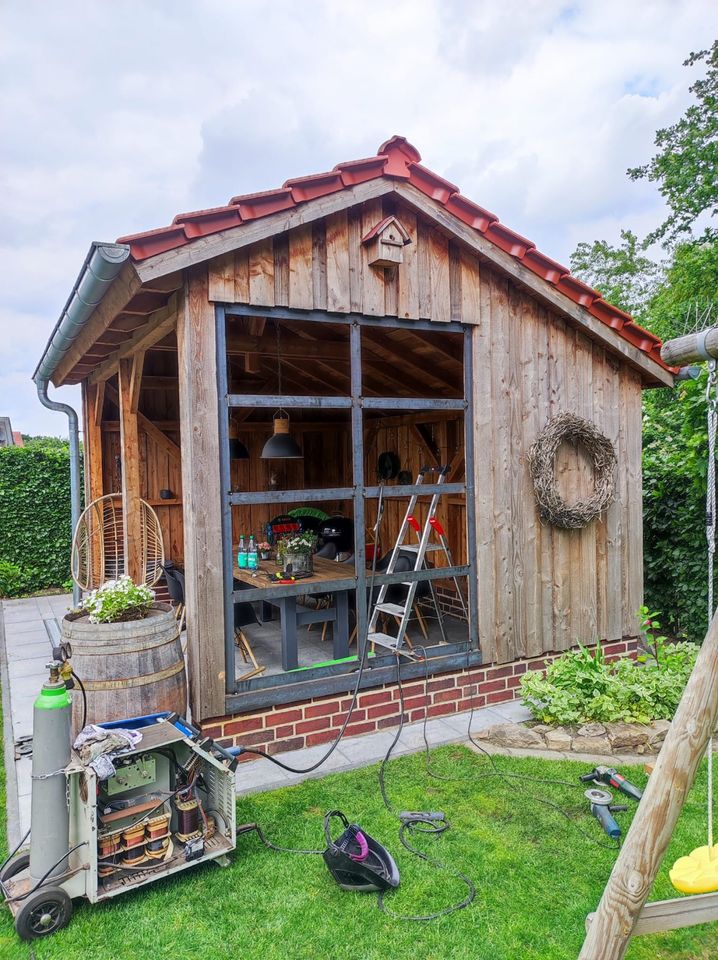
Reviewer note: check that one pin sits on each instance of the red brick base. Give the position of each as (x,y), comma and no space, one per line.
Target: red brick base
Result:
(312,722)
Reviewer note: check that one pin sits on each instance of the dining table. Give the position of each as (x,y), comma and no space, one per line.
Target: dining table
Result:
(294,614)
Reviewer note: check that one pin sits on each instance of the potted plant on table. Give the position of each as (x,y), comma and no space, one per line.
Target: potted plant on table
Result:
(297,552)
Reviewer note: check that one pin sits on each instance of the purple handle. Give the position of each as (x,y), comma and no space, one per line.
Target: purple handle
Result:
(363,848)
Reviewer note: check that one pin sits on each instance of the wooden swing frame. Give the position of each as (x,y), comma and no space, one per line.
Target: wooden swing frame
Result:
(623,911)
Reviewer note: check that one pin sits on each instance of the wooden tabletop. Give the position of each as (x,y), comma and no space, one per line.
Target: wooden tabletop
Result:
(324,571)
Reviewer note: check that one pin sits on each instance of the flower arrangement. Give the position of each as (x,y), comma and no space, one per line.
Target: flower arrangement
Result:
(118,600)
(302,543)
(298,551)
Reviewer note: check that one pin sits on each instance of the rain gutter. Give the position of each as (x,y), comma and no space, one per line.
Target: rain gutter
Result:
(102,264)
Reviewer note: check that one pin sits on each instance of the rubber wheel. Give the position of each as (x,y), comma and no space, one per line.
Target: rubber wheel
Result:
(44,912)
(10,870)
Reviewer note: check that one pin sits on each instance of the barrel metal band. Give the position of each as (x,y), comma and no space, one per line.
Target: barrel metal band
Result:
(106,651)
(134,681)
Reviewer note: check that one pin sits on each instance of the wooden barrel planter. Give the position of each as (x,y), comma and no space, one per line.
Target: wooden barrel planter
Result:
(128,669)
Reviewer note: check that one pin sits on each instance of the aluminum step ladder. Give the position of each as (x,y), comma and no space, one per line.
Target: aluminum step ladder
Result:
(402,611)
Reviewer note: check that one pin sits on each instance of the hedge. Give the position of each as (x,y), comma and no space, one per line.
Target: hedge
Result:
(35,529)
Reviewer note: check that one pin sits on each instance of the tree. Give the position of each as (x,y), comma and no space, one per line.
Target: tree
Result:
(624,276)
(686,165)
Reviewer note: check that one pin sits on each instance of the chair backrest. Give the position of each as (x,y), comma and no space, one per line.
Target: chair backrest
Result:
(243,611)
(174,579)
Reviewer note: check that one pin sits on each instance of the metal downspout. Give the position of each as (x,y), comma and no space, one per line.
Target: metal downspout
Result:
(74,430)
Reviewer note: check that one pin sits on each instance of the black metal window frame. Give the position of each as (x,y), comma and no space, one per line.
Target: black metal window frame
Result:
(261,692)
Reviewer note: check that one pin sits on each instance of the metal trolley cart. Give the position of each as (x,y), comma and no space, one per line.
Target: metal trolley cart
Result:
(169,805)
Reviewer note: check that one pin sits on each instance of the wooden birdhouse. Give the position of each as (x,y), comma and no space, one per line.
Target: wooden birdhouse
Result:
(385,243)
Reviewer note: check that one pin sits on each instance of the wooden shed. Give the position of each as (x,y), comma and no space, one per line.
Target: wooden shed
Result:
(383,313)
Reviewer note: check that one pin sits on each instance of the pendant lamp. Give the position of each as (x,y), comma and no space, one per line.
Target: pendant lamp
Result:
(280,445)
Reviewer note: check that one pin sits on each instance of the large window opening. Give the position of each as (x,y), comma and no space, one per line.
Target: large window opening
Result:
(322,418)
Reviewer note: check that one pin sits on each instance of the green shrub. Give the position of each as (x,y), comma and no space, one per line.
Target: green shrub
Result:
(580,686)
(35,528)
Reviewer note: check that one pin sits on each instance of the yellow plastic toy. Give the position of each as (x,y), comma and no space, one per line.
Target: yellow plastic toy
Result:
(698,872)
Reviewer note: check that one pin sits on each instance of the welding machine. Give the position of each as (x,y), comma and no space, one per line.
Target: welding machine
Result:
(170,804)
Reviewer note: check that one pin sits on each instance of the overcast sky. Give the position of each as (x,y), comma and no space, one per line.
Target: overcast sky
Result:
(116,117)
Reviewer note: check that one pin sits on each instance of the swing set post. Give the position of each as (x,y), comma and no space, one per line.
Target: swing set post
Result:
(640,857)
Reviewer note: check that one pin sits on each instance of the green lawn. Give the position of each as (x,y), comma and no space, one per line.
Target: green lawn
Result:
(536,876)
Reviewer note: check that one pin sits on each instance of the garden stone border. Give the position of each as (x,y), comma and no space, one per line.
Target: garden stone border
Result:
(597,739)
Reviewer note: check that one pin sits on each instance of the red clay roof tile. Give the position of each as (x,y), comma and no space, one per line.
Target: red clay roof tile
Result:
(396,159)
(314,185)
(543,266)
(469,212)
(508,240)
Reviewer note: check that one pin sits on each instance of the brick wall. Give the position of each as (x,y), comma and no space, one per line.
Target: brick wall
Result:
(317,721)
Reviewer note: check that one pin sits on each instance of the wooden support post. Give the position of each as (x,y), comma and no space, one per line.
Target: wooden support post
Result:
(129,441)
(691,348)
(640,857)
(94,399)
(199,425)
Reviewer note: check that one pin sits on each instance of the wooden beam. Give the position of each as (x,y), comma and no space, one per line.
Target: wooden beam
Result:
(544,291)
(199,418)
(122,290)
(153,431)
(675,914)
(640,857)
(138,362)
(207,248)
(130,453)
(99,403)
(691,349)
(159,325)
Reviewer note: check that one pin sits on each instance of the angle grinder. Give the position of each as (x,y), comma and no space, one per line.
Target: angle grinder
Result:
(603,809)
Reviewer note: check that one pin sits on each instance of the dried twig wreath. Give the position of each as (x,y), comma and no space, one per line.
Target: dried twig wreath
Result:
(568,428)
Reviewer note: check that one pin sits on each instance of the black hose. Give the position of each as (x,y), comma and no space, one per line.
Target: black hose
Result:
(84,698)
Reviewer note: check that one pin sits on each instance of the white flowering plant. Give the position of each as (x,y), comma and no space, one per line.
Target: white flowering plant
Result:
(118,600)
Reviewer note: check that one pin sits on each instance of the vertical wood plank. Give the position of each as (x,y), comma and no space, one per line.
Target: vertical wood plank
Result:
(199,418)
(601,538)
(356,281)
(560,538)
(548,641)
(631,393)
(484,437)
(129,440)
(423,255)
(531,359)
(241,276)
(281,270)
(319,265)
(221,278)
(522,534)
(506,627)
(337,243)
(455,293)
(470,288)
(585,578)
(408,273)
(94,397)
(372,277)
(261,273)
(615,571)
(439,272)
(300,268)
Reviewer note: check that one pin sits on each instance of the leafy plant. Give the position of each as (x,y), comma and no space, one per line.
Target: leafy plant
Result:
(118,601)
(582,686)
(303,544)
(35,529)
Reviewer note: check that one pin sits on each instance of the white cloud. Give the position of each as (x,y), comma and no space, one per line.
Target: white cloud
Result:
(122,115)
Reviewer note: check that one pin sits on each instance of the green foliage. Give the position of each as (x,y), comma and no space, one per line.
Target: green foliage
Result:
(624,276)
(35,532)
(581,686)
(118,601)
(687,159)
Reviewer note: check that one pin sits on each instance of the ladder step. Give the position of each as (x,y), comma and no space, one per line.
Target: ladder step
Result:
(384,640)
(414,547)
(395,609)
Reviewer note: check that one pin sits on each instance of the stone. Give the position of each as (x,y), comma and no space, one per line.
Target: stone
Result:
(598,745)
(591,730)
(542,728)
(514,735)
(627,736)
(657,733)
(558,739)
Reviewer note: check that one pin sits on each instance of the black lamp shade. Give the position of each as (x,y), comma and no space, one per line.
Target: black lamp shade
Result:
(280,445)
(237,450)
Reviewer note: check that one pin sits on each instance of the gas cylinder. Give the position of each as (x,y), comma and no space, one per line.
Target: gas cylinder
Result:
(50,815)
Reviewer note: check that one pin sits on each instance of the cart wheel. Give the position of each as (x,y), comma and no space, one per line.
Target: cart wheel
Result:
(45,911)
(10,870)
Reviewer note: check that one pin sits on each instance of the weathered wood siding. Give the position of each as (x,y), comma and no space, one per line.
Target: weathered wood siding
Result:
(542,588)
(324,266)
